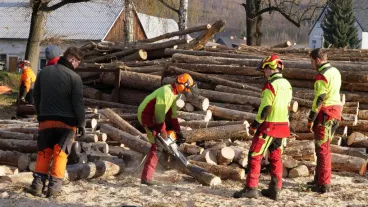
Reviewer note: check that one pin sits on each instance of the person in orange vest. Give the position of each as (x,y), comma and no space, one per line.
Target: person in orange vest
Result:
(269,128)
(324,117)
(27,81)
(158,114)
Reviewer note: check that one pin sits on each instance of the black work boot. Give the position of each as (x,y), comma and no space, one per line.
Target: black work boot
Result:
(151,182)
(272,192)
(54,187)
(38,184)
(321,188)
(247,193)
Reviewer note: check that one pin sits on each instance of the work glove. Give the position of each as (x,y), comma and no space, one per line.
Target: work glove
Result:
(310,126)
(81,131)
(181,139)
(252,131)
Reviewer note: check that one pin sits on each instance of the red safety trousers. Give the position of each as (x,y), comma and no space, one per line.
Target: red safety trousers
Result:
(260,144)
(324,129)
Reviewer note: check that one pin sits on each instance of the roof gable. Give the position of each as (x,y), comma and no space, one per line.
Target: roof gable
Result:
(79,21)
(155,26)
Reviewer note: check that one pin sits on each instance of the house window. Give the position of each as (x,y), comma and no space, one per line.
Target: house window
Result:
(43,63)
(2,62)
(314,42)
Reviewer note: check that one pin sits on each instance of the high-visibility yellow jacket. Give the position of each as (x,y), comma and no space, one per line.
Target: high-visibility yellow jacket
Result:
(327,93)
(273,113)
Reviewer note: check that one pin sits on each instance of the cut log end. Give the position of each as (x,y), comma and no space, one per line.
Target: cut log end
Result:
(294,106)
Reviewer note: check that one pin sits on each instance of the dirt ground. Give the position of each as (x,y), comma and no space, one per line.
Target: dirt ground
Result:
(181,190)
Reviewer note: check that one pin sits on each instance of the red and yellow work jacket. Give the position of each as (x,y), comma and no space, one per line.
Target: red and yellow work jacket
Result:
(273,113)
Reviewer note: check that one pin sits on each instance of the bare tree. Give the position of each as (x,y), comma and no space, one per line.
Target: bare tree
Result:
(295,11)
(129,21)
(182,12)
(36,31)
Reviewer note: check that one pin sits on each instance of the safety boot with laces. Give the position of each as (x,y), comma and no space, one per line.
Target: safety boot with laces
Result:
(38,184)
(274,194)
(321,188)
(151,182)
(247,193)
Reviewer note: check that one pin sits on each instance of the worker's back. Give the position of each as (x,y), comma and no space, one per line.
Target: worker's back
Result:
(60,94)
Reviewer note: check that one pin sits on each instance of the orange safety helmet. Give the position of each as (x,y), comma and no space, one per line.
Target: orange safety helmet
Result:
(184,83)
(273,62)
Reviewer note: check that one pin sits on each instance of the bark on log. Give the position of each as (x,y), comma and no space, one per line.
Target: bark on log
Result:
(26,109)
(198,101)
(336,140)
(214,133)
(88,138)
(230,98)
(189,108)
(171,52)
(356,152)
(93,116)
(137,56)
(362,125)
(300,171)
(210,79)
(95,156)
(16,135)
(92,93)
(133,80)
(241,156)
(16,159)
(225,156)
(346,163)
(282,45)
(177,33)
(358,139)
(25,130)
(29,146)
(183,58)
(231,114)
(131,96)
(221,69)
(200,42)
(356,97)
(351,104)
(350,110)
(99,146)
(289,162)
(198,124)
(122,124)
(147,69)
(301,150)
(109,104)
(299,125)
(363,114)
(191,149)
(93,170)
(237,107)
(350,117)
(195,116)
(224,172)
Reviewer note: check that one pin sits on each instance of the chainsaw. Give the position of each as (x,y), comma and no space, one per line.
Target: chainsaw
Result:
(170,146)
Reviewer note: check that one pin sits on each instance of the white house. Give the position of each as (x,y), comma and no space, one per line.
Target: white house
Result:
(361,22)
(74,24)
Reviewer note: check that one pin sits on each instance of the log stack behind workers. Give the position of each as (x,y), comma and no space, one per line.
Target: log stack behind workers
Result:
(58,96)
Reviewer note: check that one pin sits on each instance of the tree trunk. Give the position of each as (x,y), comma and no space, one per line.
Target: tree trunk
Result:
(109,104)
(129,21)
(350,117)
(133,80)
(194,116)
(356,152)
(170,52)
(189,108)
(36,35)
(25,130)
(214,133)
(100,146)
(363,114)
(301,150)
(221,69)
(29,146)
(131,96)
(232,114)
(300,171)
(93,170)
(350,110)
(282,45)
(224,172)
(88,138)
(198,101)
(346,163)
(16,135)
(202,175)
(183,16)
(250,9)
(137,56)
(358,139)
(237,107)
(300,125)
(15,159)
(198,124)
(92,93)
(191,149)
(230,98)
(122,124)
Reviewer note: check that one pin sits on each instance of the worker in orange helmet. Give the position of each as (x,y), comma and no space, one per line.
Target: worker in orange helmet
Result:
(27,81)
(269,128)
(158,115)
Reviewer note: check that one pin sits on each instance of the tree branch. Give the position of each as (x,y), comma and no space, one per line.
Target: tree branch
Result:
(60,4)
(269,9)
(169,6)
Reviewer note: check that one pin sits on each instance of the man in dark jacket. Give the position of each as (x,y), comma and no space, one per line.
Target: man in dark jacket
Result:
(58,97)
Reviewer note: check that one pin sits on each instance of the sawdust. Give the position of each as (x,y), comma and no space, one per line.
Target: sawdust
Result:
(181,190)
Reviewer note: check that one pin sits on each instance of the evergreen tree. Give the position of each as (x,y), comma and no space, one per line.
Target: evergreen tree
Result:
(338,26)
